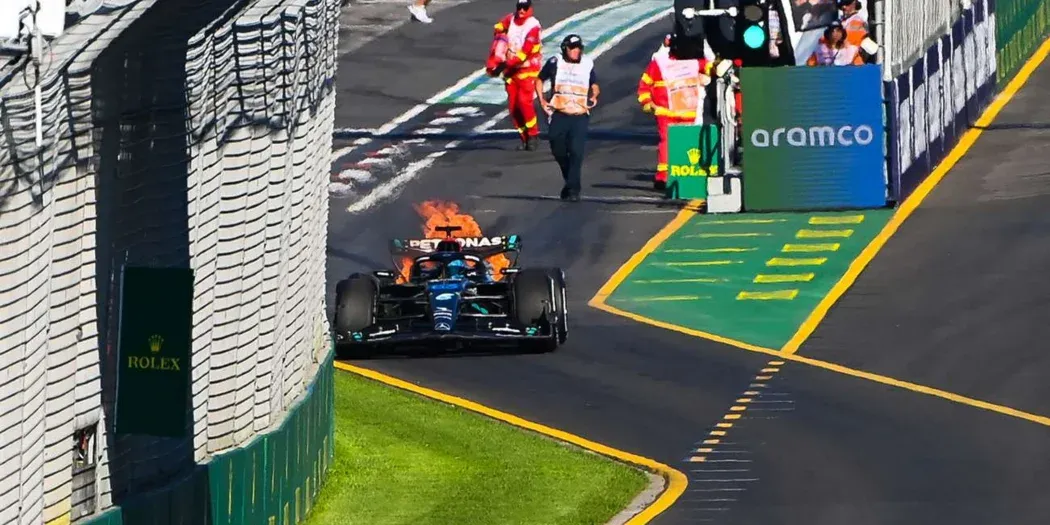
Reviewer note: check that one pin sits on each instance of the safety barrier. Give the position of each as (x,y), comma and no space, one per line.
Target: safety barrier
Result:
(273,479)
(49,346)
(175,134)
(935,99)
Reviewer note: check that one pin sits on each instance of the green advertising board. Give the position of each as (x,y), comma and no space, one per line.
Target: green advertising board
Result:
(1020,28)
(689,162)
(153,370)
(273,479)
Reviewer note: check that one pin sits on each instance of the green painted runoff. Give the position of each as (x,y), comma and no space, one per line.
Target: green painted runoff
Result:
(753,278)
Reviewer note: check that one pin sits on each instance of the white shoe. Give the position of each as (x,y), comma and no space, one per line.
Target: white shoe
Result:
(419,13)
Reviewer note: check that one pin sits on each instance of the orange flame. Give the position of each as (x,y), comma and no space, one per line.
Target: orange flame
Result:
(438,213)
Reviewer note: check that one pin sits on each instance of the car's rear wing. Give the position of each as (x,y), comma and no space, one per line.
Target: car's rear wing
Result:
(480,246)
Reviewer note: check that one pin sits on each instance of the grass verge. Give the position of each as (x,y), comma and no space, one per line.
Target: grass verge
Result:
(401,458)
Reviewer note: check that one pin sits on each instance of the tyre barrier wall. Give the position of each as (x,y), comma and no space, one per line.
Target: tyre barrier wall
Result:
(181,134)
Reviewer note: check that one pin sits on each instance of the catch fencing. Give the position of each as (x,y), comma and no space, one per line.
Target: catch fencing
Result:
(188,134)
(911,27)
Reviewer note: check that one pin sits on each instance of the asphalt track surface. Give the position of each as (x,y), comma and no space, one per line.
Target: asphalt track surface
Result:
(817,447)
(965,309)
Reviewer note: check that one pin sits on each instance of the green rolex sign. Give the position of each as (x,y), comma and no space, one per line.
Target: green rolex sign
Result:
(692,155)
(153,373)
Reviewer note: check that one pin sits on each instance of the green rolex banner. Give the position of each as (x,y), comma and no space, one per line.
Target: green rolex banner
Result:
(689,162)
(153,371)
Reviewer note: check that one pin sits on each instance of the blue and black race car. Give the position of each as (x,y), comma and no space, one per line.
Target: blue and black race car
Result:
(451,297)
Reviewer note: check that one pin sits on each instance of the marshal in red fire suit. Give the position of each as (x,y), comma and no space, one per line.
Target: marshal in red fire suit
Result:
(523,62)
(673,90)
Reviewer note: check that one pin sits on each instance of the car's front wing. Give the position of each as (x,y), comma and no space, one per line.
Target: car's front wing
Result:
(394,333)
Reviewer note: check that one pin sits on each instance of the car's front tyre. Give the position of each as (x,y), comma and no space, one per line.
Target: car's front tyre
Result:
(355,303)
(535,295)
(561,312)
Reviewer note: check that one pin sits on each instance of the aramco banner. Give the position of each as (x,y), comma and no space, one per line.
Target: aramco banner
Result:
(813,138)
(153,372)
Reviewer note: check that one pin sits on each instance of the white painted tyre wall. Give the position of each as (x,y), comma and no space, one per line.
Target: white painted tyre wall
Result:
(257,192)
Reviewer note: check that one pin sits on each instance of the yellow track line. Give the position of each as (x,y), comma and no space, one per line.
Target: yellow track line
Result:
(676,480)
(650,246)
(913,201)
(906,208)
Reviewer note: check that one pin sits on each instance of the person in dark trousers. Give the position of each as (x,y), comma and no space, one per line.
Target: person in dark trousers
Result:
(574,92)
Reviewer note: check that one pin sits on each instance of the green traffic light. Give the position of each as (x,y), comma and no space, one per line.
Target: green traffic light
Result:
(754,37)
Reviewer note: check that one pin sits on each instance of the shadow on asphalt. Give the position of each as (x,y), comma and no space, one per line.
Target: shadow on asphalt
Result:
(1019,125)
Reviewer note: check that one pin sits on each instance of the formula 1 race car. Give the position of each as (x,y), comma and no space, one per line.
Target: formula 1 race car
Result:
(451,297)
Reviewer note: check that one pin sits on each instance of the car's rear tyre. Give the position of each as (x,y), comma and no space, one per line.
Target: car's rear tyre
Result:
(355,303)
(534,298)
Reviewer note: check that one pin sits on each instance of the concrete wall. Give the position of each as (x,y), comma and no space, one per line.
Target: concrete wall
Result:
(176,133)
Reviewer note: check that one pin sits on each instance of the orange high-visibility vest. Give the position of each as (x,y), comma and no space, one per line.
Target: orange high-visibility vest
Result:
(683,84)
(572,84)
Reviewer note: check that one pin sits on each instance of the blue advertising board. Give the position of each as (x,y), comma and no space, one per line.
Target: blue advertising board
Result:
(813,138)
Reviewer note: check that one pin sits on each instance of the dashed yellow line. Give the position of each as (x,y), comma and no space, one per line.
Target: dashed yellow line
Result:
(785,278)
(745,221)
(718,235)
(821,247)
(842,219)
(918,195)
(676,281)
(734,413)
(779,295)
(822,234)
(664,298)
(791,261)
(700,263)
(708,250)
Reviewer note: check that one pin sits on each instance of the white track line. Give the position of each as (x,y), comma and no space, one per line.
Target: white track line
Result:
(390,188)
(419,108)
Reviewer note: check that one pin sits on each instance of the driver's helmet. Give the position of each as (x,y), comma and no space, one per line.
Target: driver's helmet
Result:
(457,268)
